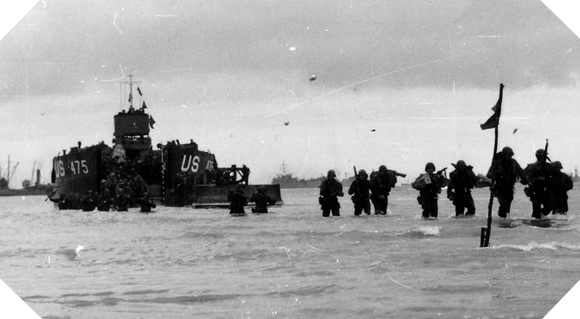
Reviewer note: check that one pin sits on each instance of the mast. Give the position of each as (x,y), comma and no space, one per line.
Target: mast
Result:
(130,91)
(283,166)
(32,176)
(123,87)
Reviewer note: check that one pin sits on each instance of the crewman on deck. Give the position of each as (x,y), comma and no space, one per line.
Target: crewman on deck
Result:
(330,190)
(462,180)
(538,174)
(383,182)
(558,186)
(245,174)
(505,171)
(360,190)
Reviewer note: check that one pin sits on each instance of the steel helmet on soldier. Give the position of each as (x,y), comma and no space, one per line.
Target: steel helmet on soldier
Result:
(557,165)
(362,172)
(331,173)
(382,168)
(507,151)
(429,166)
(460,163)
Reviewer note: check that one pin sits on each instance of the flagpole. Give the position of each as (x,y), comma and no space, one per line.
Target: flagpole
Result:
(486,232)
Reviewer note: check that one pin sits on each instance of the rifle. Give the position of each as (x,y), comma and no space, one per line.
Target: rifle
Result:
(439,172)
(355,173)
(543,167)
(50,196)
(397,173)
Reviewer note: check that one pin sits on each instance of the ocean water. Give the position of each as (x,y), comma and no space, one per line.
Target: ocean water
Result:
(290,263)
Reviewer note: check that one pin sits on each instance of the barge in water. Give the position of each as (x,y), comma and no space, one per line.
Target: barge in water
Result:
(175,173)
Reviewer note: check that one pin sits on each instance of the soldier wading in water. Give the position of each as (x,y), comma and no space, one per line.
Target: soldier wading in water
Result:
(505,171)
(330,189)
(360,190)
(383,182)
(462,180)
(429,186)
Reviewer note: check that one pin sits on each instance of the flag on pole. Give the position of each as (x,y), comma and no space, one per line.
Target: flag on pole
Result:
(151,121)
(144,105)
(130,97)
(493,121)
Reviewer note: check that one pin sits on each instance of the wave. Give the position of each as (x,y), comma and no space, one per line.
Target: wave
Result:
(423,231)
(533,245)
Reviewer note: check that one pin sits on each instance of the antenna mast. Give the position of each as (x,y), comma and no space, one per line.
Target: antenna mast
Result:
(283,166)
(130,83)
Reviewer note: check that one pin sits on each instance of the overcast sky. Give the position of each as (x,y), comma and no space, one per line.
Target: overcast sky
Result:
(398,83)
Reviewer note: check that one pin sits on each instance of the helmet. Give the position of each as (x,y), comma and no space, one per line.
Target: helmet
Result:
(540,152)
(362,172)
(507,151)
(331,173)
(382,168)
(557,165)
(430,166)
(460,163)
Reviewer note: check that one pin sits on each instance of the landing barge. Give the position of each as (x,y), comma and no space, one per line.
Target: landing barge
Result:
(174,174)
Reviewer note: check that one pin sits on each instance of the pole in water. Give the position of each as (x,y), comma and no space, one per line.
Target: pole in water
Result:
(482,242)
(492,122)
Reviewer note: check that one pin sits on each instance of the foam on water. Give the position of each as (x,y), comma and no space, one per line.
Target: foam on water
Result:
(541,246)
(422,231)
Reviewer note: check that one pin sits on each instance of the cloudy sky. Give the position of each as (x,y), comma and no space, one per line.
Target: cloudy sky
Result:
(398,83)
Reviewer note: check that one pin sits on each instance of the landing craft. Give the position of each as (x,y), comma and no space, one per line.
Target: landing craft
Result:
(174,174)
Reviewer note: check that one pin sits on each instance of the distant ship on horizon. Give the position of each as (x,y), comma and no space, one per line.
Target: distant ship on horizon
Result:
(286,180)
(27,188)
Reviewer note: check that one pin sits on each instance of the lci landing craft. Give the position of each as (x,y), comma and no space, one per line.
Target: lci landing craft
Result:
(174,174)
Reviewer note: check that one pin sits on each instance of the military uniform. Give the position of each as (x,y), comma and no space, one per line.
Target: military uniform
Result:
(429,186)
(146,203)
(558,186)
(330,189)
(383,182)
(462,180)
(505,171)
(237,200)
(360,189)
(539,174)
(261,199)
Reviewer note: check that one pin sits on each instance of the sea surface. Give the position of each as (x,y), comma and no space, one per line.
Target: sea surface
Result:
(289,263)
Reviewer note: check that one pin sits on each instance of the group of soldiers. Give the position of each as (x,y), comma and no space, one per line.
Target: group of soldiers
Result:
(547,187)
(238,199)
(123,188)
(363,191)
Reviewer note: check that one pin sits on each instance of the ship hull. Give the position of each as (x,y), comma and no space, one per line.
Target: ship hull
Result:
(180,175)
(29,191)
